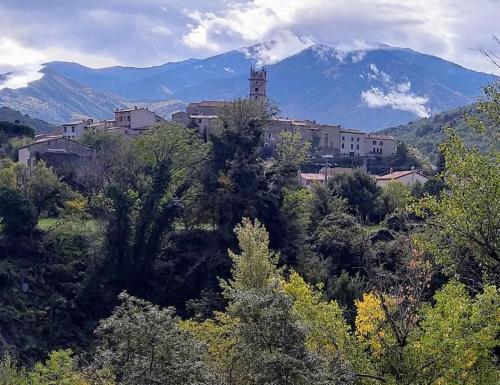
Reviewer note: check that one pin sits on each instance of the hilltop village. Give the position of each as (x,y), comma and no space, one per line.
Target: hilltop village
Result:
(64,150)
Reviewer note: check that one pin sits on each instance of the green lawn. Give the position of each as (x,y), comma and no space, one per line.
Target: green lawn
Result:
(46,223)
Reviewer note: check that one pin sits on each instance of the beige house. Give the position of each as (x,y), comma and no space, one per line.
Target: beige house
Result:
(382,145)
(408,178)
(75,129)
(135,120)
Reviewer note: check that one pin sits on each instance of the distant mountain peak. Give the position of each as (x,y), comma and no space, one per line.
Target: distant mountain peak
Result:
(367,85)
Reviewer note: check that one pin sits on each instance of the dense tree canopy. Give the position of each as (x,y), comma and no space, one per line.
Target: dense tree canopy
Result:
(177,259)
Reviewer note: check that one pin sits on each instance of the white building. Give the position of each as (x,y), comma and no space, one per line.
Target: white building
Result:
(352,142)
(75,129)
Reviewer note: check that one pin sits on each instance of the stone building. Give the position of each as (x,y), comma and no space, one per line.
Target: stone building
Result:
(58,152)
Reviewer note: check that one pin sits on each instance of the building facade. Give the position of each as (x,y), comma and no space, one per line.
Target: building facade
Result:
(135,120)
(75,129)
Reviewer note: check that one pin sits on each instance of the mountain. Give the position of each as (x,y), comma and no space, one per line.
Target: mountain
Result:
(56,98)
(368,89)
(426,134)
(12,116)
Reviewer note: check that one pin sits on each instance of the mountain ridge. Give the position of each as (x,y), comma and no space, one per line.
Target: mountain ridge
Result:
(371,88)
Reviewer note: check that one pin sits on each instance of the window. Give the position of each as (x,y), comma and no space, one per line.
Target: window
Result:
(381,151)
(72,128)
(343,138)
(269,136)
(357,139)
(373,149)
(256,89)
(342,145)
(352,139)
(199,120)
(326,139)
(374,142)
(352,146)
(381,143)
(357,146)
(128,118)
(65,129)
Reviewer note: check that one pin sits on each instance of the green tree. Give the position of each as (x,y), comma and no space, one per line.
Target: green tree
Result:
(141,344)
(463,221)
(44,187)
(360,191)
(60,368)
(395,196)
(292,150)
(450,342)
(236,182)
(10,373)
(17,214)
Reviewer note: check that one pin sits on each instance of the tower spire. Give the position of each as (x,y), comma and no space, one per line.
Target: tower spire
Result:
(258,84)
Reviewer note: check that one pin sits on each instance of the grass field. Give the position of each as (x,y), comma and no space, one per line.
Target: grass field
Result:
(46,224)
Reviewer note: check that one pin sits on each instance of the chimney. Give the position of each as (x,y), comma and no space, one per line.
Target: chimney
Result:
(135,107)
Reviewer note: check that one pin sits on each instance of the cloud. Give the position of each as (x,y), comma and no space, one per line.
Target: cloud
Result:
(152,32)
(19,64)
(398,97)
(282,46)
(377,74)
(447,28)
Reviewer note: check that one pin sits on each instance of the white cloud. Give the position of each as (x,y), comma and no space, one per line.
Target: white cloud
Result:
(377,74)
(446,28)
(356,57)
(134,33)
(23,64)
(161,30)
(398,97)
(282,46)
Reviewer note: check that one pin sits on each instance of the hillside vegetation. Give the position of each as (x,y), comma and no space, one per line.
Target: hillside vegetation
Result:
(12,116)
(176,260)
(426,134)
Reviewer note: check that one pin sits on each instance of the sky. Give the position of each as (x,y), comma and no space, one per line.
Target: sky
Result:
(100,33)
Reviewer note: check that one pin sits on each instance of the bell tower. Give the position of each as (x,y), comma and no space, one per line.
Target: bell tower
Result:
(258,84)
